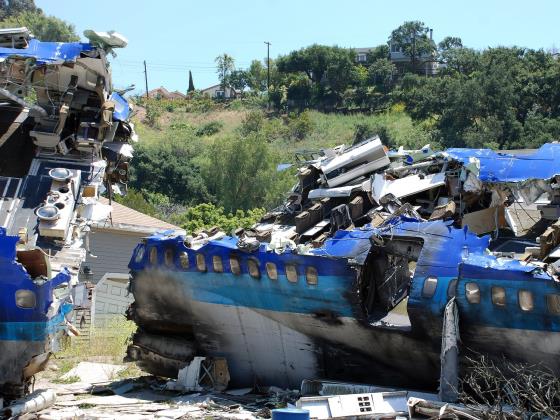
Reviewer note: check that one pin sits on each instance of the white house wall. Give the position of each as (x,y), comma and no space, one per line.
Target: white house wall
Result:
(113,250)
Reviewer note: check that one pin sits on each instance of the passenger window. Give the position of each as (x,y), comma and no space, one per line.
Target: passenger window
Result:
(311,276)
(168,256)
(291,273)
(140,254)
(253,268)
(525,299)
(472,292)
(200,262)
(26,299)
(452,288)
(553,304)
(217,264)
(499,296)
(234,265)
(430,285)
(153,255)
(271,271)
(184,259)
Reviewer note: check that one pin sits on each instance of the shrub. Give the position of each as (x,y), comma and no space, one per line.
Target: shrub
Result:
(209,128)
(207,215)
(300,126)
(253,122)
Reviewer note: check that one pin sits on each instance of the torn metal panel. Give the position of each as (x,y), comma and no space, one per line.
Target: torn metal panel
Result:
(404,187)
(543,164)
(449,376)
(48,52)
(484,221)
(376,405)
(355,162)
(345,191)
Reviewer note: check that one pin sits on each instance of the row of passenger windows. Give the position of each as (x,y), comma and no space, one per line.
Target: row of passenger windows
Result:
(498,294)
(311,275)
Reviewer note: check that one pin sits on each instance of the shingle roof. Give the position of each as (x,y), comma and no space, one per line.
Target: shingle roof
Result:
(125,218)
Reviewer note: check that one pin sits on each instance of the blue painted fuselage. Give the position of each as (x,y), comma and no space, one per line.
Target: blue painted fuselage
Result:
(28,320)
(308,311)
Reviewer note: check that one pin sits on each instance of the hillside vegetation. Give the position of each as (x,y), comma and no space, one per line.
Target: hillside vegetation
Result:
(202,163)
(223,156)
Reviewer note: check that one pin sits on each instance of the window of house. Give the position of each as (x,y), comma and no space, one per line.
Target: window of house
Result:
(525,300)
(217,264)
(430,285)
(291,273)
(472,292)
(184,259)
(153,255)
(498,296)
(311,276)
(200,262)
(234,265)
(168,257)
(553,304)
(362,57)
(271,271)
(452,288)
(253,266)
(220,94)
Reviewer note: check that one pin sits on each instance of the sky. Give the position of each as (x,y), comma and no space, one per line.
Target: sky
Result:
(175,36)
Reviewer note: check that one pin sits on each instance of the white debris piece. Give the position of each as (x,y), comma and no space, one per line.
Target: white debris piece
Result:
(403,187)
(93,372)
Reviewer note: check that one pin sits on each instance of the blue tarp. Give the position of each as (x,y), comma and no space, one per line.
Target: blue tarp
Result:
(48,52)
(502,167)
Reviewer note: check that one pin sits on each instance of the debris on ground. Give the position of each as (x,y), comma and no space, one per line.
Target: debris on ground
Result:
(92,373)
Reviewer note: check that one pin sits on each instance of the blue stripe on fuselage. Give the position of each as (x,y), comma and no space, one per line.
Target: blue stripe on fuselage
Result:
(274,295)
(33,331)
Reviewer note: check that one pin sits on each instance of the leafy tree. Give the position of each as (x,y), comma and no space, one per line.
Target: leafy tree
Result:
(329,69)
(9,8)
(45,28)
(412,38)
(378,53)
(225,64)
(241,172)
(135,200)
(257,76)
(381,74)
(170,168)
(450,42)
(238,79)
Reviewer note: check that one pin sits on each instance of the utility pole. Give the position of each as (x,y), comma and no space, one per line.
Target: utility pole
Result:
(146,78)
(268,44)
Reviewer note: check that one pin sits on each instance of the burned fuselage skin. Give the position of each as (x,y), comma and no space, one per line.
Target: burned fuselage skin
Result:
(279,318)
(30,318)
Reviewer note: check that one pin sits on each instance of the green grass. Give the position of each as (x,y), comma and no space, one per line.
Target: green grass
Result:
(69,380)
(106,345)
(328,130)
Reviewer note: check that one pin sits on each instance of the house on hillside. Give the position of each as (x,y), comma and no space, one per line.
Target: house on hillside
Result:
(217,92)
(362,54)
(102,294)
(427,63)
(162,93)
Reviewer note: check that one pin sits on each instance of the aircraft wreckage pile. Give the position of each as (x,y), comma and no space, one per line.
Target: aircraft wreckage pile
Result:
(65,138)
(365,273)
